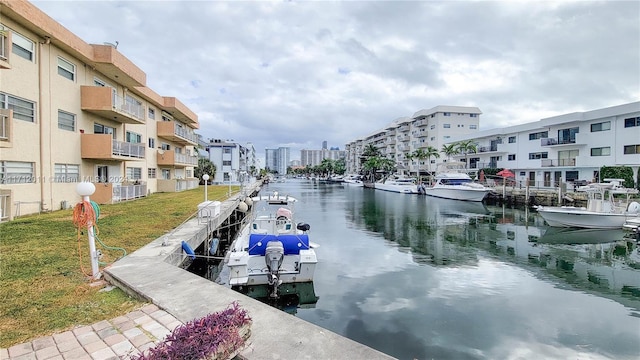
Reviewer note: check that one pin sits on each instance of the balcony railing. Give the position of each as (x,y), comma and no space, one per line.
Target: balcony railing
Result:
(487,148)
(559,162)
(129,192)
(556,141)
(188,184)
(121,148)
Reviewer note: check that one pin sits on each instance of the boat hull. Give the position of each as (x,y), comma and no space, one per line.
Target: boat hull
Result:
(457,193)
(245,269)
(403,189)
(582,218)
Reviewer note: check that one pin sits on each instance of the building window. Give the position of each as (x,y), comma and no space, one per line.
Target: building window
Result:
(446,137)
(66,121)
(447,114)
(460,125)
(539,135)
(16,172)
(473,127)
(132,137)
(571,175)
(151,173)
(538,155)
(227,150)
(631,149)
(631,122)
(226,177)
(433,138)
(226,163)
(603,126)
(22,46)
(601,151)
(511,157)
(166,174)
(66,173)
(446,126)
(134,173)
(152,113)
(473,115)
(103,129)
(165,146)
(432,126)
(66,69)
(512,139)
(22,109)
(188,173)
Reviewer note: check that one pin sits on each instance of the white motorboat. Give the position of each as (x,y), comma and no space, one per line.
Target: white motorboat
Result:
(453,183)
(399,184)
(353,180)
(272,249)
(609,206)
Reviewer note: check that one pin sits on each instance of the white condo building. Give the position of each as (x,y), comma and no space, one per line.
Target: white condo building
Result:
(315,157)
(233,161)
(562,148)
(277,160)
(547,152)
(433,127)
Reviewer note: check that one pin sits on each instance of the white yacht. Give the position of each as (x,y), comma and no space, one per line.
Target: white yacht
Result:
(399,184)
(453,183)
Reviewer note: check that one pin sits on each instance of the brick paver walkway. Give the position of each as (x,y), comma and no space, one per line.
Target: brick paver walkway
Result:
(118,338)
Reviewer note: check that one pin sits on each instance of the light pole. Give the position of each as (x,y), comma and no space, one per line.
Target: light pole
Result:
(86,189)
(205,177)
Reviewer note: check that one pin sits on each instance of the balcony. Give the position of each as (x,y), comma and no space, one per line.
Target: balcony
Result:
(103,147)
(101,101)
(482,149)
(6,119)
(420,123)
(171,131)
(556,141)
(559,162)
(171,158)
(176,185)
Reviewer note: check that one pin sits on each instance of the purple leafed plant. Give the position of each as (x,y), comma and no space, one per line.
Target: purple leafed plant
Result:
(211,337)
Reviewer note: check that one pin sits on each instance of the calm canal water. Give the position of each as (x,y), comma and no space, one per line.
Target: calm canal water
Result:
(423,278)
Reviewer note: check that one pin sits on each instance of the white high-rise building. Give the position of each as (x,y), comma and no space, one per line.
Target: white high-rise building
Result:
(277,160)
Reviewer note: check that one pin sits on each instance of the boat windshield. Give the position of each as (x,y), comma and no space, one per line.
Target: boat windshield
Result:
(455,181)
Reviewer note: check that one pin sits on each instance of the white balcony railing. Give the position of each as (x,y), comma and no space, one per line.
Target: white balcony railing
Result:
(129,192)
(4,127)
(122,148)
(185,134)
(128,107)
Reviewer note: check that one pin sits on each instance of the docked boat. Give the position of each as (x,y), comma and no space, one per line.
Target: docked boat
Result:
(272,249)
(353,180)
(399,184)
(609,206)
(453,183)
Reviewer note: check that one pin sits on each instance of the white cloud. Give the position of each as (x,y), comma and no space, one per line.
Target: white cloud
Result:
(276,73)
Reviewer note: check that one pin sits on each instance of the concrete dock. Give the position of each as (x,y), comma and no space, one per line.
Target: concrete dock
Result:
(177,296)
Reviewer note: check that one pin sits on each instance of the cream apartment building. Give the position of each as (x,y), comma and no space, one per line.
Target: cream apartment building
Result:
(428,127)
(72,111)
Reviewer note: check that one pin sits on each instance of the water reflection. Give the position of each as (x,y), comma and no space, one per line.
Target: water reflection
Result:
(293,296)
(419,279)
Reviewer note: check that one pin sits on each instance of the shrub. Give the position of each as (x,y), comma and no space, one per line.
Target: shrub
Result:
(215,336)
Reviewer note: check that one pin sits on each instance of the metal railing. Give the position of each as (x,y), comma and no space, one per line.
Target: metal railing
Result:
(559,162)
(122,148)
(185,134)
(556,141)
(135,110)
(3,46)
(188,184)
(186,159)
(128,192)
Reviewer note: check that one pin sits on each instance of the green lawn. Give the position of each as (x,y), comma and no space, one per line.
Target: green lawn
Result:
(44,261)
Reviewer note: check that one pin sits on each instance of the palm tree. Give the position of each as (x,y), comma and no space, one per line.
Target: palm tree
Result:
(449,150)
(429,152)
(467,147)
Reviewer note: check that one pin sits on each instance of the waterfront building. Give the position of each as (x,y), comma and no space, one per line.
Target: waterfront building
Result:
(233,161)
(315,157)
(561,148)
(277,160)
(428,127)
(72,111)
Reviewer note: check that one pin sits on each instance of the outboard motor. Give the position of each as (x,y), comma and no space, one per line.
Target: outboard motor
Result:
(303,227)
(273,256)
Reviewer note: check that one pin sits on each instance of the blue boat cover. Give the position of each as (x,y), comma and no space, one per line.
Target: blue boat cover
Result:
(292,243)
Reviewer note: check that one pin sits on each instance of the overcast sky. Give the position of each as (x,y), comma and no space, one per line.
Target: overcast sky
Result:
(296,73)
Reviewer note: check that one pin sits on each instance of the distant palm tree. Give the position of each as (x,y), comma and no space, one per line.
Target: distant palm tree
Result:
(449,150)
(429,152)
(467,147)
